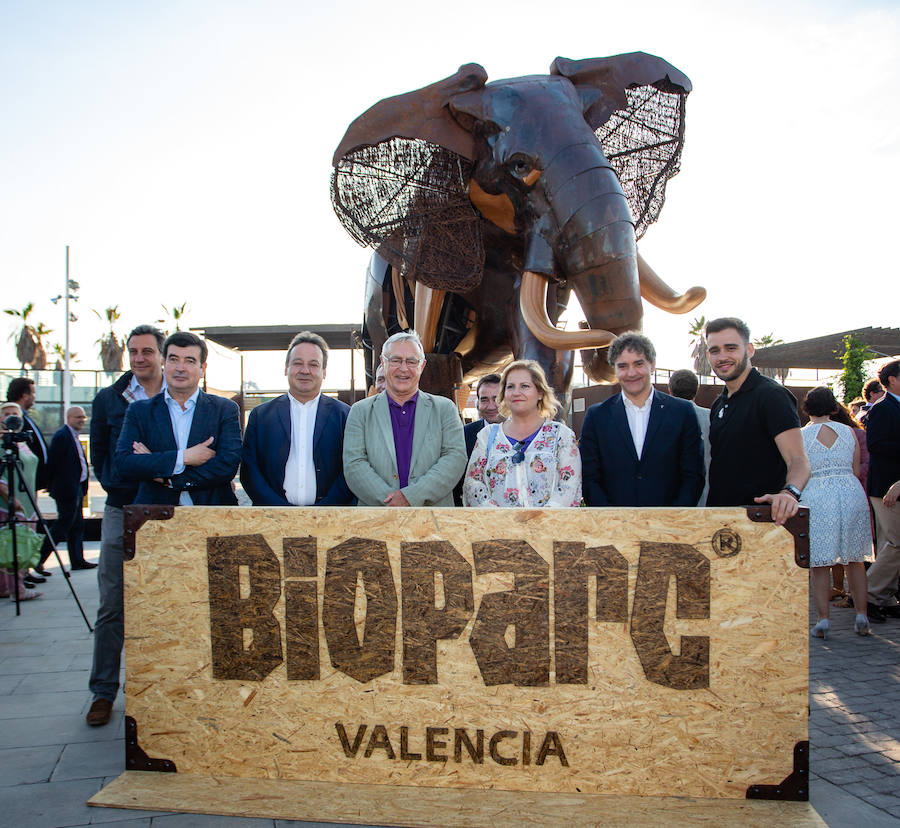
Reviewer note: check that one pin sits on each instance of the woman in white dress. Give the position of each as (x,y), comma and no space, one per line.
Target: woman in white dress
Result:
(529,460)
(838,509)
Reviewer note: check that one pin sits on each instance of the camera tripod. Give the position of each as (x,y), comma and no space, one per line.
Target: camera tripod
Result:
(16,484)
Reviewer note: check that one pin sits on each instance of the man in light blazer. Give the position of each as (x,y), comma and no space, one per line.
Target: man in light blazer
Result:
(182,446)
(403,447)
(293,445)
(640,447)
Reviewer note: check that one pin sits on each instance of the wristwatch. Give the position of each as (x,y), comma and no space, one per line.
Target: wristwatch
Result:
(792,490)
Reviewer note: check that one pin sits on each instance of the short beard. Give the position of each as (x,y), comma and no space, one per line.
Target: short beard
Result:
(737,371)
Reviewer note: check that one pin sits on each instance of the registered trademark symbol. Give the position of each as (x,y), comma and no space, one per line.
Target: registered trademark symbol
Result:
(726,543)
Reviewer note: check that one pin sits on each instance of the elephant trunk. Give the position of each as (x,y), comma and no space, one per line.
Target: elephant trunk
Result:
(592,236)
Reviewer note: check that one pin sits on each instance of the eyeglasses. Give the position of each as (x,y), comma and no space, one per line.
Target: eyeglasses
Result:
(410,362)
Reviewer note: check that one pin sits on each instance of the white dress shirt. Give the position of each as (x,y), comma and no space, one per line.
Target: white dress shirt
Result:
(638,418)
(300,469)
(182,418)
(80,449)
(136,391)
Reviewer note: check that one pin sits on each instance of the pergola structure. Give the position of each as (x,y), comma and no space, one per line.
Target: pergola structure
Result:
(824,352)
(241,338)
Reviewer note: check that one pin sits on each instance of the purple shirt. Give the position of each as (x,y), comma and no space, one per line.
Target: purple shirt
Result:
(403,422)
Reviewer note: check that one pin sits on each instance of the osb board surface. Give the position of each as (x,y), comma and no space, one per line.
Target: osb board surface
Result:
(623,731)
(400,805)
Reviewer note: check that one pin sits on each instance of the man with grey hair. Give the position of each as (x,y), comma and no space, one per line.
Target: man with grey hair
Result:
(640,447)
(403,446)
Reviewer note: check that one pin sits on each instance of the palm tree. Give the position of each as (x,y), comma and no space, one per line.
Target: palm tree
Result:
(39,361)
(177,314)
(111,349)
(29,348)
(59,352)
(767,341)
(698,349)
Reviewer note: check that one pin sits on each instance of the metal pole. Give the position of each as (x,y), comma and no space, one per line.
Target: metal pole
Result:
(66,392)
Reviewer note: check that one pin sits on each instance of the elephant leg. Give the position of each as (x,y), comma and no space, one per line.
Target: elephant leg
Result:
(429,302)
(659,294)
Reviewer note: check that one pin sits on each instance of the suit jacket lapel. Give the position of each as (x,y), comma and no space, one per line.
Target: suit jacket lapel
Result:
(162,420)
(657,412)
(322,412)
(382,413)
(620,421)
(422,428)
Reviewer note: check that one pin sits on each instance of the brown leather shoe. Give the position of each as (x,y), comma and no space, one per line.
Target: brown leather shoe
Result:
(99,713)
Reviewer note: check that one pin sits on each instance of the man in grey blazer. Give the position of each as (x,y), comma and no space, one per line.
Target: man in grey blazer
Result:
(403,447)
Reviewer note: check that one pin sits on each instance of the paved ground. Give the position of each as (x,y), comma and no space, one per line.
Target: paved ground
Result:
(51,762)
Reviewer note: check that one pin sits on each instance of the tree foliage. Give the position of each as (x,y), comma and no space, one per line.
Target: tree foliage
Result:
(29,346)
(854,375)
(111,349)
(698,347)
(767,341)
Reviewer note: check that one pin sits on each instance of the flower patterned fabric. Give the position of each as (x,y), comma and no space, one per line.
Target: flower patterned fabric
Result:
(549,475)
(839,530)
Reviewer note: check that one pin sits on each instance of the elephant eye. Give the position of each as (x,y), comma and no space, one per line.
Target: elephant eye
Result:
(520,165)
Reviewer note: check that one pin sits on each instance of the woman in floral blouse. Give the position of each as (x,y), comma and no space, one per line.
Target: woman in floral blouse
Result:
(529,460)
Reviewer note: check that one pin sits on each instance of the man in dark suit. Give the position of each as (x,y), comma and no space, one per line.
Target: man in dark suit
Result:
(486,392)
(640,447)
(883,439)
(68,473)
(183,446)
(294,444)
(143,381)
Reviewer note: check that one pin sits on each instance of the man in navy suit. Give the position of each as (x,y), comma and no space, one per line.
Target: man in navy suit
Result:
(486,392)
(183,446)
(68,474)
(640,447)
(294,444)
(883,438)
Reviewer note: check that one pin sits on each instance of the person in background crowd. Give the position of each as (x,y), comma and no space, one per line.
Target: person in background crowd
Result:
(640,447)
(68,472)
(839,530)
(754,430)
(21,391)
(28,542)
(529,460)
(404,447)
(684,385)
(842,415)
(143,380)
(380,382)
(856,406)
(293,445)
(883,438)
(873,391)
(487,392)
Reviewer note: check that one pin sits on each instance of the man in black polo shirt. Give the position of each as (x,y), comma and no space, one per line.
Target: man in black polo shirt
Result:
(754,430)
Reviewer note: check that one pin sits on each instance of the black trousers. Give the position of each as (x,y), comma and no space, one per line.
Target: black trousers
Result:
(68,527)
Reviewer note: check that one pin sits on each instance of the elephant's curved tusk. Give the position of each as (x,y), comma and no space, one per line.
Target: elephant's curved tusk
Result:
(533,306)
(659,294)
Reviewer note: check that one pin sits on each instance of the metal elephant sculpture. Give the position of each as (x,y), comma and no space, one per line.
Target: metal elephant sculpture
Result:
(488,203)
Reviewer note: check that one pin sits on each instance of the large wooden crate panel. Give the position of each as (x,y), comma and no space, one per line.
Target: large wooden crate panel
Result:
(617,651)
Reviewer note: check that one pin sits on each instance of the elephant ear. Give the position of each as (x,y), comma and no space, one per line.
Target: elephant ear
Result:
(400,184)
(639,120)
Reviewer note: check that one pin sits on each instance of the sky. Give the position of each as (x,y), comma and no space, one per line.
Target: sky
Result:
(183,151)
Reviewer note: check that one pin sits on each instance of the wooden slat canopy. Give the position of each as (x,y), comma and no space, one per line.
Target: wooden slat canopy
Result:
(276,337)
(825,351)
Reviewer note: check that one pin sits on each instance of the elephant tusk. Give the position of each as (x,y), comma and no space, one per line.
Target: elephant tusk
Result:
(658,293)
(533,306)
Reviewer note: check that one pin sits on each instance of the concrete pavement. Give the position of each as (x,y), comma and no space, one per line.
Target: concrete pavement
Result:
(51,762)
